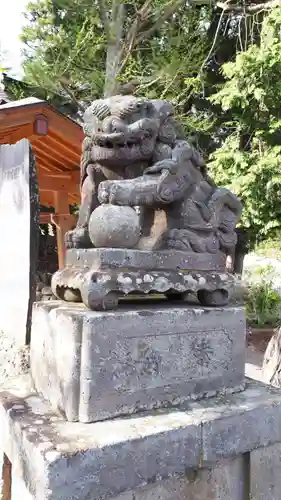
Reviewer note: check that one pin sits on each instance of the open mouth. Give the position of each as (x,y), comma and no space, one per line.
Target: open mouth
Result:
(118,141)
(120,145)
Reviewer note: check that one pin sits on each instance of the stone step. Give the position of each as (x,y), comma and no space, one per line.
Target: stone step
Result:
(223,447)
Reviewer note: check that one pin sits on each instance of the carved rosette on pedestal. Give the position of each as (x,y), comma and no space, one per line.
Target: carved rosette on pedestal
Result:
(151,220)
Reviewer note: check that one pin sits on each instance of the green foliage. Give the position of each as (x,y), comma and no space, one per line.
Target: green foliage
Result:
(262,302)
(66,49)
(249,160)
(64,42)
(270,249)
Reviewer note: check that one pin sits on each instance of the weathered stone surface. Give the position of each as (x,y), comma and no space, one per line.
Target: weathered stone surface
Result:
(97,288)
(103,258)
(114,226)
(56,355)
(150,456)
(100,276)
(97,365)
(241,423)
(225,481)
(65,461)
(265,466)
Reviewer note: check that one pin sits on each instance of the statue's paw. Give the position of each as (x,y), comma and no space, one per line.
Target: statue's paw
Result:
(160,166)
(114,192)
(104,192)
(78,238)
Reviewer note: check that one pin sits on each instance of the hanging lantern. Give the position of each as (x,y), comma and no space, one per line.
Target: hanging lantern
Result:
(41,125)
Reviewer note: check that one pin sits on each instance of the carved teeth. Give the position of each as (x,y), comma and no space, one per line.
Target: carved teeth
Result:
(117,145)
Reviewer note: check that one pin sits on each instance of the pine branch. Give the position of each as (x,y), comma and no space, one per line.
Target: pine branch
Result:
(169,10)
(129,44)
(141,19)
(72,96)
(214,40)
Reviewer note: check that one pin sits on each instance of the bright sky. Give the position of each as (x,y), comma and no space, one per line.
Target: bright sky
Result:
(11,22)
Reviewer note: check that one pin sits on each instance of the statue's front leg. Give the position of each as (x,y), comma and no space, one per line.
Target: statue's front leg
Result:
(133,192)
(79,237)
(163,182)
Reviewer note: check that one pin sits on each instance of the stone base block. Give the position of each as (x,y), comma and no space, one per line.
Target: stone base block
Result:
(221,448)
(96,365)
(226,480)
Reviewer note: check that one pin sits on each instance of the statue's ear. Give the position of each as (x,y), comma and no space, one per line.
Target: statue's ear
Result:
(163,108)
(91,123)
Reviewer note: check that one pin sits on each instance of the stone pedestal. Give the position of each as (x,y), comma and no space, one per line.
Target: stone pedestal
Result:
(98,365)
(99,277)
(220,448)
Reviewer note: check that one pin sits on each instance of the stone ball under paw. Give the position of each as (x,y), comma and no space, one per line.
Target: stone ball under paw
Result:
(113,226)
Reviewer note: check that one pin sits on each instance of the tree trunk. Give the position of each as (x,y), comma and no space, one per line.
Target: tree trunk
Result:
(114,48)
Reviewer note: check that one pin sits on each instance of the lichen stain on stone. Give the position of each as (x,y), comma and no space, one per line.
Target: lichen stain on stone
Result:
(52,456)
(148,279)
(104,278)
(161,284)
(201,281)
(147,360)
(224,277)
(190,280)
(124,280)
(198,311)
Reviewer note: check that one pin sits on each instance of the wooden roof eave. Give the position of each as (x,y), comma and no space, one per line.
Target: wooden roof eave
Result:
(57,153)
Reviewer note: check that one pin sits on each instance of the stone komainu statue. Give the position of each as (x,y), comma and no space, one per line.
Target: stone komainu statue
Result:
(135,155)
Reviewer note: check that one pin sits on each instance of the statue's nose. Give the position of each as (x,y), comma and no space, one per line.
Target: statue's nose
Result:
(112,125)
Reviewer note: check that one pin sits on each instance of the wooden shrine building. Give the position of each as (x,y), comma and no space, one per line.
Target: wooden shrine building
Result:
(56,142)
